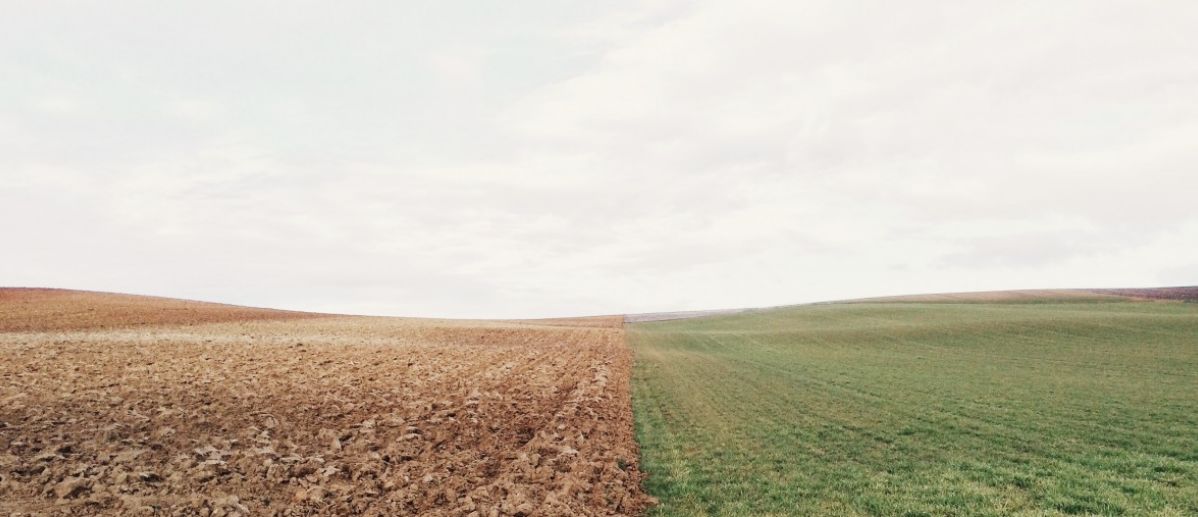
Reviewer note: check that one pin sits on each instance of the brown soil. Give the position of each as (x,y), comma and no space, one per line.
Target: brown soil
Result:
(680,315)
(26,309)
(1028,295)
(1157,293)
(216,410)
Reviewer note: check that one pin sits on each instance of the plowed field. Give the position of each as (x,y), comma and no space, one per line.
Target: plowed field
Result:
(197,409)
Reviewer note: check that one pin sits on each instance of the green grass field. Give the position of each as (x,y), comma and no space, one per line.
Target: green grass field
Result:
(922,409)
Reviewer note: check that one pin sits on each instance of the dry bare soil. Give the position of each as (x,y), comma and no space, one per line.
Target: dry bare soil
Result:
(114,404)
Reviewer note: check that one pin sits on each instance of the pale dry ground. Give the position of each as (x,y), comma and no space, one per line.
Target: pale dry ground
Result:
(679,315)
(1183,293)
(1027,295)
(156,413)
(62,309)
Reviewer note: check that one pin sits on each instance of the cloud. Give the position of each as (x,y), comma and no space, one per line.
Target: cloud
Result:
(606,158)
(196,110)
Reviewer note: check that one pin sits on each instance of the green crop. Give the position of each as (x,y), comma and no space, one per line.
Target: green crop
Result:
(922,409)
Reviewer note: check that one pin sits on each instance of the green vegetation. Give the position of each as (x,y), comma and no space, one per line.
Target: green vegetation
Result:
(922,409)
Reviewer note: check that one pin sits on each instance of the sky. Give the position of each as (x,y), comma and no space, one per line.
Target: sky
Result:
(547,158)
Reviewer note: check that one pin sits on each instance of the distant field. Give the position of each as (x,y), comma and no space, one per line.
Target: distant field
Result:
(1050,408)
(1021,296)
(44,310)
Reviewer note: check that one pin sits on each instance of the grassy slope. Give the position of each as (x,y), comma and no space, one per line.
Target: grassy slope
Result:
(923,409)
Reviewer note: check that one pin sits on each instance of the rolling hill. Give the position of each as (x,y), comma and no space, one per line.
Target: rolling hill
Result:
(1029,403)
(1048,402)
(118,405)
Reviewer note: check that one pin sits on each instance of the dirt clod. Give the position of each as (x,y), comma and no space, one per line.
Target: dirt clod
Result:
(125,412)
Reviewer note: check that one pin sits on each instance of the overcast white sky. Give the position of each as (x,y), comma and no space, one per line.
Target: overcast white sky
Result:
(513,159)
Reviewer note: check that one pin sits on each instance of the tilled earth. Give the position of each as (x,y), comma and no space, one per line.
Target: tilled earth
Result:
(253,413)
(1189,293)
